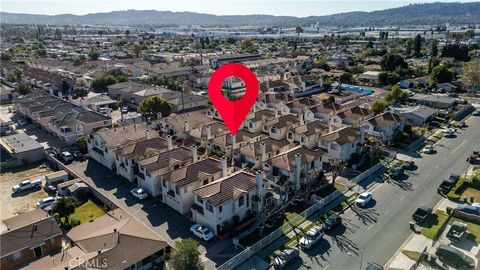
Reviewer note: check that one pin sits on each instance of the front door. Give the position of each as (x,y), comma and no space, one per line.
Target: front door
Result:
(38,251)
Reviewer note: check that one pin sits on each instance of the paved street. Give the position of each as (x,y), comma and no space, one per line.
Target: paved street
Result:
(168,223)
(378,230)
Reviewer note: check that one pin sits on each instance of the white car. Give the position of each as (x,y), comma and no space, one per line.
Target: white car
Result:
(66,156)
(364,198)
(428,149)
(139,193)
(46,202)
(125,109)
(313,235)
(104,110)
(202,232)
(447,133)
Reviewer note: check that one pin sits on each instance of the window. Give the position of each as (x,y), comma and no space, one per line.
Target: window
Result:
(184,190)
(334,146)
(290,135)
(199,200)
(248,201)
(220,208)
(164,183)
(209,207)
(241,201)
(205,182)
(177,190)
(148,173)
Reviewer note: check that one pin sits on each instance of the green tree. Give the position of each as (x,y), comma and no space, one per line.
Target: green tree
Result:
(5,57)
(151,106)
(392,61)
(185,256)
(434,51)
(471,73)
(81,144)
(408,47)
(94,55)
(346,77)
(417,45)
(136,49)
(80,92)
(127,32)
(298,30)
(378,106)
(397,95)
(100,84)
(442,74)
(388,78)
(64,207)
(24,89)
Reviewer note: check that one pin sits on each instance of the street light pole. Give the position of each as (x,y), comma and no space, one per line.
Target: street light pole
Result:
(361,259)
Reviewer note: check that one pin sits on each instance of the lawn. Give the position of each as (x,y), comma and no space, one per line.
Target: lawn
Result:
(472,228)
(471,192)
(88,211)
(432,225)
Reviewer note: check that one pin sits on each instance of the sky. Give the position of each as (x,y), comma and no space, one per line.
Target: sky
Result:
(300,8)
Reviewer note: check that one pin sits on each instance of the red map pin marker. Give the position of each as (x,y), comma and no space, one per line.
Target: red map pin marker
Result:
(233,112)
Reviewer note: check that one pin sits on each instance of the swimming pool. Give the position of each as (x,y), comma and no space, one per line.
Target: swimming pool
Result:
(353,89)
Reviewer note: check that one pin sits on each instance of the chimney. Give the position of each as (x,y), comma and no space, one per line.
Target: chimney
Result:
(276,112)
(298,169)
(209,132)
(186,125)
(194,153)
(233,139)
(70,98)
(223,164)
(50,91)
(60,94)
(159,115)
(301,117)
(267,85)
(262,151)
(260,191)
(169,142)
(109,112)
(146,133)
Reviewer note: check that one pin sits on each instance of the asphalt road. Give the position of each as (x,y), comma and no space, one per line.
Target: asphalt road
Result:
(379,229)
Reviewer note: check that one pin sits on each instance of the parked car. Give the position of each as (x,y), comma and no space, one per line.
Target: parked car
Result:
(445,186)
(331,222)
(202,232)
(66,156)
(408,165)
(46,202)
(104,110)
(454,257)
(27,184)
(462,124)
(22,122)
(312,237)
(454,177)
(125,109)
(476,113)
(139,193)
(421,214)
(77,154)
(448,133)
(434,124)
(396,172)
(373,266)
(285,257)
(428,149)
(364,198)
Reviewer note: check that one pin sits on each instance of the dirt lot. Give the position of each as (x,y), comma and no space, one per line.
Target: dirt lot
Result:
(24,201)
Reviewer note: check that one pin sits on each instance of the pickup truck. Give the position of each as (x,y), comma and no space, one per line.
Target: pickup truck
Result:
(27,184)
(445,186)
(422,214)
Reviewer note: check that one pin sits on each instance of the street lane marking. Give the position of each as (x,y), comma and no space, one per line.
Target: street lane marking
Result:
(436,167)
(386,212)
(459,146)
(403,197)
(369,227)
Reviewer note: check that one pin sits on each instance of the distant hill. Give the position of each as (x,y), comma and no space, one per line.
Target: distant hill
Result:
(431,13)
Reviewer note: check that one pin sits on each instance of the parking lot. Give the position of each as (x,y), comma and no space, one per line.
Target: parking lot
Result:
(24,201)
